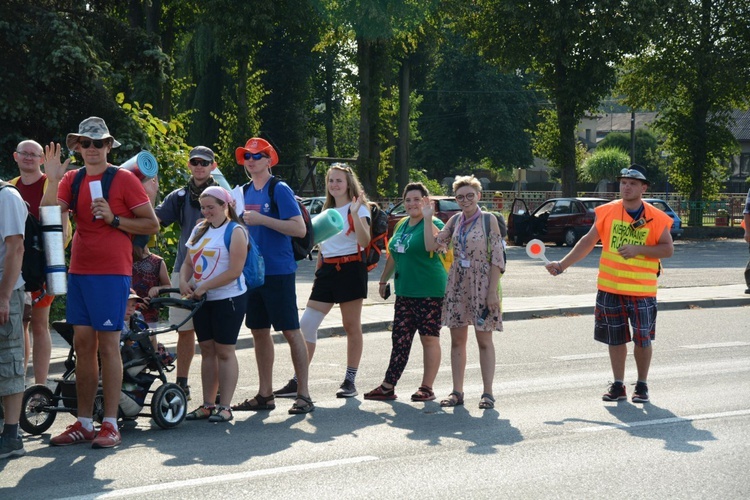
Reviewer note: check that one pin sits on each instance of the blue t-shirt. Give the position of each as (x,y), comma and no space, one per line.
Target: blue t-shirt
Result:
(275,247)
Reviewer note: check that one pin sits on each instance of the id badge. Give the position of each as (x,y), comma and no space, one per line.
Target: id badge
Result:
(400,248)
(465,263)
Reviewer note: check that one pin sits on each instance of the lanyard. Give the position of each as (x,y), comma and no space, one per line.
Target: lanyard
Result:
(405,233)
(463,235)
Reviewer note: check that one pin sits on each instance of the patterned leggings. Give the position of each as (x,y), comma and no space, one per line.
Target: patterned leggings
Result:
(410,315)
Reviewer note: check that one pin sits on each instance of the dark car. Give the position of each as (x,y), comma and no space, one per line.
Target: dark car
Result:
(445,208)
(676,229)
(557,220)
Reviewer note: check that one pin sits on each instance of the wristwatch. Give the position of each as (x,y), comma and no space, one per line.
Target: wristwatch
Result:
(115,221)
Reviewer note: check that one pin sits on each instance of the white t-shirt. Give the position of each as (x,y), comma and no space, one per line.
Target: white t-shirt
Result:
(12,222)
(210,258)
(342,243)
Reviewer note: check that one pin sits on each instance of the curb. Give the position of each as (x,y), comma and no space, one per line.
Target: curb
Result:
(245,342)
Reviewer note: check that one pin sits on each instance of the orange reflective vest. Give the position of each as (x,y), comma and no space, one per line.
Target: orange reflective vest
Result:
(636,276)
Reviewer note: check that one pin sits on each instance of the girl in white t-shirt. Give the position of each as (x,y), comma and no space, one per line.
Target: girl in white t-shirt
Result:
(212,269)
(341,275)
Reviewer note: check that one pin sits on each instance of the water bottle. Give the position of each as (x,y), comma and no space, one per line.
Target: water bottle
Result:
(480,319)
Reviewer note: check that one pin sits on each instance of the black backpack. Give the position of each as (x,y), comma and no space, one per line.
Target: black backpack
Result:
(301,246)
(34,259)
(75,186)
(378,236)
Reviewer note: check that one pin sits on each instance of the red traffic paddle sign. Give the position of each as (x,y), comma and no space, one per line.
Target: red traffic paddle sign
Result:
(535,249)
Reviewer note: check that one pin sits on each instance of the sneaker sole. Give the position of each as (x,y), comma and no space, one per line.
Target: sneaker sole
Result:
(621,398)
(14,453)
(346,394)
(640,400)
(99,446)
(285,395)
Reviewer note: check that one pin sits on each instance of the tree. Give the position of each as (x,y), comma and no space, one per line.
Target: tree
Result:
(696,71)
(571,46)
(646,150)
(605,164)
(472,111)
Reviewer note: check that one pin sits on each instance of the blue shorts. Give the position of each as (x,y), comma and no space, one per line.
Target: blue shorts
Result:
(274,304)
(97,300)
(613,312)
(220,320)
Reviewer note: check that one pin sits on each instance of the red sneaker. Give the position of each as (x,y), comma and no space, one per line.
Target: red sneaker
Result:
(108,437)
(74,434)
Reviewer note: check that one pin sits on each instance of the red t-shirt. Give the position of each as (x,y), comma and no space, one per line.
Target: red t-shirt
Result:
(32,194)
(98,248)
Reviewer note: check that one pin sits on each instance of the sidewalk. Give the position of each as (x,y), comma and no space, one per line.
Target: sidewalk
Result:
(377,314)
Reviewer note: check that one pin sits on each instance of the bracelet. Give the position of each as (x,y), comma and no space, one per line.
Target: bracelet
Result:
(382,283)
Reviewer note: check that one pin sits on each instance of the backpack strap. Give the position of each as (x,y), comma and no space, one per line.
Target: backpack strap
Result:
(228,241)
(75,187)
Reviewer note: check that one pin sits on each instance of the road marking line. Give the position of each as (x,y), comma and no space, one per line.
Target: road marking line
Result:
(575,357)
(712,346)
(140,490)
(660,421)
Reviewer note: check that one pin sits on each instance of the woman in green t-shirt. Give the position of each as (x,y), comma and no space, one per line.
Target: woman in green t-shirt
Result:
(420,280)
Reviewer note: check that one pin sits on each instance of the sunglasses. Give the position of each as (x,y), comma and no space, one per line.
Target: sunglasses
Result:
(632,174)
(196,162)
(467,197)
(98,143)
(254,156)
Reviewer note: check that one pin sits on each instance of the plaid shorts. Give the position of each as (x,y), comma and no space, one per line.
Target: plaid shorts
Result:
(613,312)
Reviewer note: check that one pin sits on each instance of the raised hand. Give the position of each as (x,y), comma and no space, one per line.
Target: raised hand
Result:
(357,203)
(52,165)
(428,208)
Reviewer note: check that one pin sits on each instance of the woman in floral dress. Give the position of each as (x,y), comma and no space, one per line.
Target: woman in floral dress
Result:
(471,297)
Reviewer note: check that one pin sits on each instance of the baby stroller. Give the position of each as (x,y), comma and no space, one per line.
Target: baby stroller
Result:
(142,366)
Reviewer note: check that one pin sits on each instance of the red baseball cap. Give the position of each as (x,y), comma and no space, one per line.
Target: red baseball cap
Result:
(256,145)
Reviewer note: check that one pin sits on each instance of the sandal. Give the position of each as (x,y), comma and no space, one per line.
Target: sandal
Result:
(381,393)
(222,414)
(424,393)
(455,398)
(261,403)
(200,413)
(487,401)
(299,409)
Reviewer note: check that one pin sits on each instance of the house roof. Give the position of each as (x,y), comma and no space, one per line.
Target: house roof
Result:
(740,125)
(620,122)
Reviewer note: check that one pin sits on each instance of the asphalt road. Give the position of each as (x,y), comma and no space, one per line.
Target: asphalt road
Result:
(550,435)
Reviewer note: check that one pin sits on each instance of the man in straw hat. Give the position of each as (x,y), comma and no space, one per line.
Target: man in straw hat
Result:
(100,271)
(272,223)
(634,236)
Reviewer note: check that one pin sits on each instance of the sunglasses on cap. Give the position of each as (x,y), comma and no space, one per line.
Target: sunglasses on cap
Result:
(632,173)
(197,162)
(254,156)
(98,143)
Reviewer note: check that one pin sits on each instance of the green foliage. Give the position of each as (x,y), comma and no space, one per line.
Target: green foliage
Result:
(646,151)
(432,185)
(571,47)
(605,163)
(165,139)
(472,110)
(696,71)
(546,142)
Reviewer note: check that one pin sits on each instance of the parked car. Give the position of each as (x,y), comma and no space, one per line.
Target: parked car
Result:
(445,208)
(313,205)
(557,220)
(676,229)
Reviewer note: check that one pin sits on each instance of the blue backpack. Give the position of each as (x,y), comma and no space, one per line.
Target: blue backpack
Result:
(255,267)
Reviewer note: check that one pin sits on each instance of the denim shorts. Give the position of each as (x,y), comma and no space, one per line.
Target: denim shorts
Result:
(274,304)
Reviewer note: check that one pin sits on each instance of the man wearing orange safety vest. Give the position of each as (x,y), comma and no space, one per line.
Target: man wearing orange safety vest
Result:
(634,236)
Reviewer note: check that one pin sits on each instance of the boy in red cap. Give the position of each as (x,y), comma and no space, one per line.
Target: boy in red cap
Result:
(272,222)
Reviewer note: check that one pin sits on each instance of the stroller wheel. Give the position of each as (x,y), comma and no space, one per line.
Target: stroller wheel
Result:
(36,416)
(168,406)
